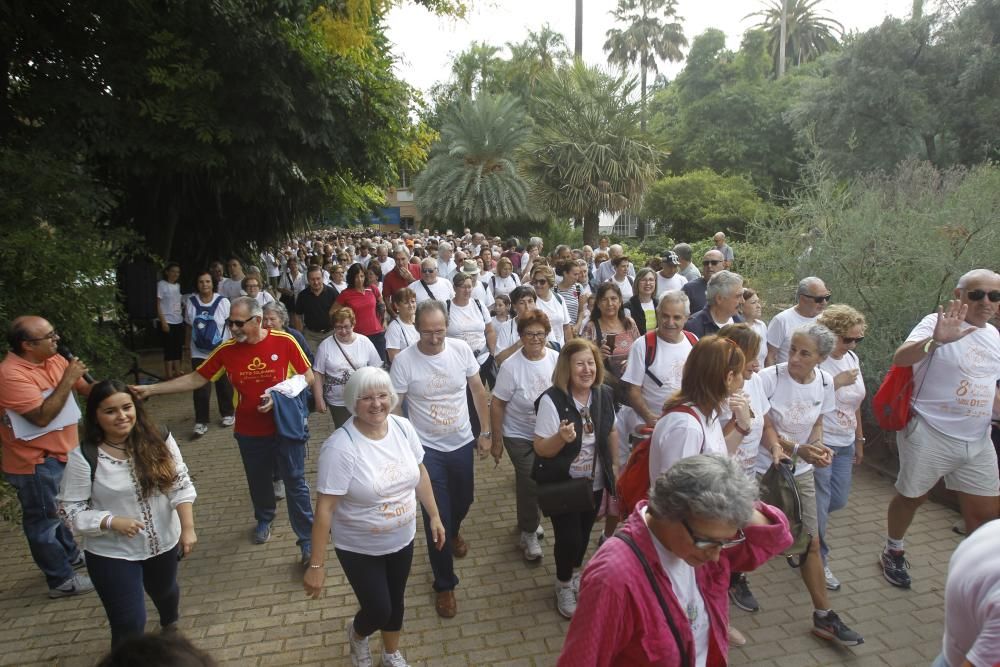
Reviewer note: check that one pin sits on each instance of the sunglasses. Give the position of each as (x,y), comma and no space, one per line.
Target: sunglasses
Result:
(711,262)
(588,423)
(978,294)
(848,340)
(240,323)
(428,270)
(818,299)
(705,543)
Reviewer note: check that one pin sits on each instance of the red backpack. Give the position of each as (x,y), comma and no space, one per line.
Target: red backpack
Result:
(633,482)
(651,351)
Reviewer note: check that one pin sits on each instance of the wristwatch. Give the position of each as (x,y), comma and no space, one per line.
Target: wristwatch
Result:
(487,434)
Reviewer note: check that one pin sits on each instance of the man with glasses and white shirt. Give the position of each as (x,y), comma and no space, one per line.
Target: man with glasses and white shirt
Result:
(257,359)
(430,285)
(955,355)
(813,299)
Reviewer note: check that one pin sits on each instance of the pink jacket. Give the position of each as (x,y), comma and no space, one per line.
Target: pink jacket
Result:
(618,620)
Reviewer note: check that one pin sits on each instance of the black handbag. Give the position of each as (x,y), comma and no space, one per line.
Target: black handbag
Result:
(568,496)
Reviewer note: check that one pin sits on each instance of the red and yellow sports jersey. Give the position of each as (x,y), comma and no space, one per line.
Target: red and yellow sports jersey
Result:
(252,368)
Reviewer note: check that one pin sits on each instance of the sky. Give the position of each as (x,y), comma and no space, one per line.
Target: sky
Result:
(424,43)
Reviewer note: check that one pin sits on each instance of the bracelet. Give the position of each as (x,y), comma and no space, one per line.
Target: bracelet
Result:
(316,567)
(106,523)
(740,429)
(795,449)
(860,439)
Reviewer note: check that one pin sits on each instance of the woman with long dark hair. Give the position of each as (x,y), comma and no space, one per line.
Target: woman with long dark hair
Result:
(127,494)
(365,300)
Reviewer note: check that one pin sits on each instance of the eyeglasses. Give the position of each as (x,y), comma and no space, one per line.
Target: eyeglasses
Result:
(588,423)
(438,332)
(240,323)
(848,340)
(978,294)
(343,327)
(52,335)
(543,281)
(711,262)
(537,335)
(427,270)
(705,543)
(818,299)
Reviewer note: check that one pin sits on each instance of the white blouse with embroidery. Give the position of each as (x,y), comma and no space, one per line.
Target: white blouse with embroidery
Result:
(115,490)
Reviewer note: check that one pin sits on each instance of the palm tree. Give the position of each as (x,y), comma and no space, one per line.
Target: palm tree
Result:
(476,68)
(808,33)
(471,177)
(541,52)
(649,34)
(587,155)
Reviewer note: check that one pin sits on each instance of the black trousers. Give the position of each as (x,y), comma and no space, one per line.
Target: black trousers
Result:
(379,583)
(572,534)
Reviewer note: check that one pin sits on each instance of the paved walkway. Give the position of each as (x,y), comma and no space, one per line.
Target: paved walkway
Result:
(245,604)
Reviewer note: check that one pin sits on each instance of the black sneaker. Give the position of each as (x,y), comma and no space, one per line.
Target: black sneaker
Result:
(894,567)
(832,628)
(741,595)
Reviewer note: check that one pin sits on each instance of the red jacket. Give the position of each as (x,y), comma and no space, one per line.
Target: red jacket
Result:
(618,621)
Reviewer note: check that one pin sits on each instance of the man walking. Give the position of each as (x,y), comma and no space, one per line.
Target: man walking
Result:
(312,308)
(955,355)
(256,359)
(38,430)
(697,289)
(813,296)
(724,296)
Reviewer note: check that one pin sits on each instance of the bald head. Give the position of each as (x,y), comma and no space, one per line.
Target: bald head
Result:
(712,263)
(32,337)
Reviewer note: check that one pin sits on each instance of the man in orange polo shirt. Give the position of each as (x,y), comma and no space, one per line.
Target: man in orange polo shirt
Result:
(256,359)
(36,384)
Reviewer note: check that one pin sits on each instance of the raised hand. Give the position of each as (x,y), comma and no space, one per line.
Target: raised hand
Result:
(950,325)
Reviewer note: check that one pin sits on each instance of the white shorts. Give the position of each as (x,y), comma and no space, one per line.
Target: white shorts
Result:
(927,455)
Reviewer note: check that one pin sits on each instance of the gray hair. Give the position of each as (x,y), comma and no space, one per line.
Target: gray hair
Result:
(723,283)
(428,261)
(278,308)
(537,240)
(248,302)
(429,305)
(975,274)
(444,245)
(366,379)
(809,281)
(615,250)
(684,251)
(402,248)
(706,486)
(675,296)
(823,338)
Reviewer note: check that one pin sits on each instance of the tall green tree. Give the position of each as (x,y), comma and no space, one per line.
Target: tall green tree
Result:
(472,178)
(587,154)
(809,33)
(652,31)
(542,51)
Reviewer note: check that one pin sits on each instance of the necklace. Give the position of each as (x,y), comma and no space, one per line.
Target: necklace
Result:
(116,445)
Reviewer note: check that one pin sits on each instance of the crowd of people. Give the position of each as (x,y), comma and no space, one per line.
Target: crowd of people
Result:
(429,350)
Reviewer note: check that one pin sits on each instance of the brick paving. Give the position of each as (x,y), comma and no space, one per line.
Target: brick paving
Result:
(244,603)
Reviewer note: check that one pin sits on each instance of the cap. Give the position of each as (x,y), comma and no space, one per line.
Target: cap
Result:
(670,257)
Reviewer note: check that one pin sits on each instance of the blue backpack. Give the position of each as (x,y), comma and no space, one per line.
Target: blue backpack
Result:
(204,329)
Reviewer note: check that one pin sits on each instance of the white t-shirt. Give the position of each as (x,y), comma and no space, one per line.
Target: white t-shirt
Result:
(685,586)
(668,367)
(270,264)
(387,265)
(506,333)
(376,479)
(263,298)
(441,289)
(625,286)
(675,282)
(335,367)
(779,331)
(169,295)
(220,315)
(957,398)
(231,288)
(547,425)
(484,295)
(468,323)
(760,328)
(435,393)
(746,454)
(497,285)
(677,436)
(840,426)
(519,383)
(399,335)
(794,408)
(555,308)
(972,600)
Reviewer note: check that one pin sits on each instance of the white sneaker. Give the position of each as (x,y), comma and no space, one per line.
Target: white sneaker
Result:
(540,532)
(532,549)
(361,654)
(832,582)
(575,583)
(279,489)
(228,421)
(200,430)
(393,660)
(565,599)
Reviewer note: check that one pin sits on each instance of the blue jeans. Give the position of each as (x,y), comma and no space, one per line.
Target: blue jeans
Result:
(833,485)
(451,475)
(120,584)
(50,541)
(259,454)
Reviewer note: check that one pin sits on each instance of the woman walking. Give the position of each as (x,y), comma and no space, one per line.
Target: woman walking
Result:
(206,313)
(366,302)
(168,310)
(126,492)
(338,357)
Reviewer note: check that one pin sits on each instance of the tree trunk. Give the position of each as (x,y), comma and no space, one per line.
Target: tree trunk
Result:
(784,37)
(578,43)
(931,147)
(591,228)
(642,98)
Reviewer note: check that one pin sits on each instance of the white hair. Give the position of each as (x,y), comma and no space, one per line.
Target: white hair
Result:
(706,486)
(675,296)
(976,274)
(722,283)
(364,380)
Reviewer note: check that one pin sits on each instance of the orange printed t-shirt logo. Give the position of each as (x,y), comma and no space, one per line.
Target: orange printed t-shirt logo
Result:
(256,365)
